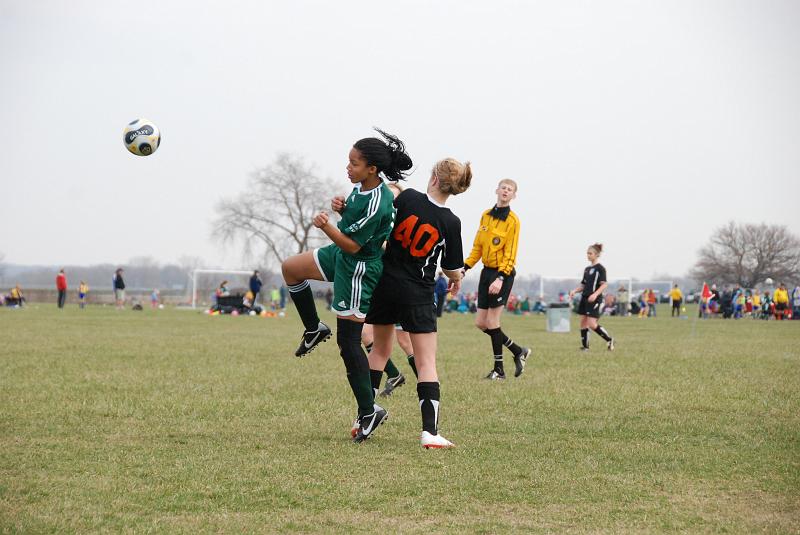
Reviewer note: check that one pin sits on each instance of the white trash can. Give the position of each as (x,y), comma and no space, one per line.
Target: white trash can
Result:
(558,318)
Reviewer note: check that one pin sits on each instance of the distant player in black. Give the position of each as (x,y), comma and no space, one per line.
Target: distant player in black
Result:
(424,231)
(592,285)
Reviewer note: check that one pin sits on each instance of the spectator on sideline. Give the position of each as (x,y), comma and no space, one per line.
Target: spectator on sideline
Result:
(622,301)
(274,297)
(283,291)
(609,306)
(781,299)
(766,305)
(677,300)
(651,303)
(222,291)
(255,286)
(643,312)
(154,298)
(739,303)
(756,302)
(440,293)
(119,288)
(15,297)
(61,286)
(83,291)
(796,303)
(725,303)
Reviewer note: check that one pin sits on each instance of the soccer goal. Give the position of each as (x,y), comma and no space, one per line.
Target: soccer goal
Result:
(555,289)
(206,281)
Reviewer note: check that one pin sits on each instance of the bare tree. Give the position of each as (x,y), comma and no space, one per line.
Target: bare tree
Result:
(188,263)
(747,254)
(276,211)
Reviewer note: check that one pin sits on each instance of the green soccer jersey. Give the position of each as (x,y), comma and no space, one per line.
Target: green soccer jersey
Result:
(368,219)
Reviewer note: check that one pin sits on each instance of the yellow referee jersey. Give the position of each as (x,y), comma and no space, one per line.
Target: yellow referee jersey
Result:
(496,243)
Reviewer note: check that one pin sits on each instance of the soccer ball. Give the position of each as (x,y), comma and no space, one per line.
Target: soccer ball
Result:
(141,137)
(768,281)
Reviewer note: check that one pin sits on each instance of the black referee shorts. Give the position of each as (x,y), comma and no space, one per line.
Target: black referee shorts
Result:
(488,276)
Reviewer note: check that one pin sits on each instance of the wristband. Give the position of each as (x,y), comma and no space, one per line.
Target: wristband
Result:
(501,278)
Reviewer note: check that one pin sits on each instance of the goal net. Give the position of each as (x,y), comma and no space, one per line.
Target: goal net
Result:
(554,289)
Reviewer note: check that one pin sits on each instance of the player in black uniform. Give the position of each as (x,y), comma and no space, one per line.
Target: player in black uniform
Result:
(592,285)
(424,230)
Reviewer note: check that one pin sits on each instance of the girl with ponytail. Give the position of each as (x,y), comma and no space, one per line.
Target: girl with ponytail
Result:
(424,231)
(353,263)
(591,288)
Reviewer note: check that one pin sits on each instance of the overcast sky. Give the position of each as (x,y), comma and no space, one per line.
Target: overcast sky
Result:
(643,125)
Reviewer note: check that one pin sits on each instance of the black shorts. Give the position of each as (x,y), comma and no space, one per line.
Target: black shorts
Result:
(488,276)
(585,308)
(417,319)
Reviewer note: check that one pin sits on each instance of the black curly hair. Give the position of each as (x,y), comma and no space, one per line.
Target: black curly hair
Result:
(387,154)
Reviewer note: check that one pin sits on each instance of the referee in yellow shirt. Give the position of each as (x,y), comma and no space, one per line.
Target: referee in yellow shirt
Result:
(496,246)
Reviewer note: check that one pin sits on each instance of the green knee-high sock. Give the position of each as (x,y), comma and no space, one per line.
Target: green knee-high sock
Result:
(391,370)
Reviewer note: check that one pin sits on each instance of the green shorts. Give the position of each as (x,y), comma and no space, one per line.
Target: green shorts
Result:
(353,280)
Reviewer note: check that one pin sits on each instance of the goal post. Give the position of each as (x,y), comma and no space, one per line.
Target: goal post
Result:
(199,272)
(551,286)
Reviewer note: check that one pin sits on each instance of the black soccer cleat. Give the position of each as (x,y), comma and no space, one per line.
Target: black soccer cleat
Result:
(312,339)
(370,422)
(391,384)
(520,360)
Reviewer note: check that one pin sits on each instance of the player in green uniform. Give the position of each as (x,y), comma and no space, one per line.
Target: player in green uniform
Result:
(353,263)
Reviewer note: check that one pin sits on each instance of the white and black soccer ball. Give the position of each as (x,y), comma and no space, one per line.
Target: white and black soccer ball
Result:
(768,281)
(141,137)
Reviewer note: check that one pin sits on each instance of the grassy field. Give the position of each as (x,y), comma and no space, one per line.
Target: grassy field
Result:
(175,422)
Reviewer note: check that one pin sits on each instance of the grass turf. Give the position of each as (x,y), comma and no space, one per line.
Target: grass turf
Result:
(172,421)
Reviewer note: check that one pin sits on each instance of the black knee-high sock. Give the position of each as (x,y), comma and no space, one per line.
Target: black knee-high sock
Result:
(375,378)
(303,299)
(509,343)
(497,347)
(603,333)
(429,406)
(348,336)
(413,364)
(585,338)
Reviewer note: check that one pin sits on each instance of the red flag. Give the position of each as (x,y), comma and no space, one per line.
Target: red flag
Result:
(706,292)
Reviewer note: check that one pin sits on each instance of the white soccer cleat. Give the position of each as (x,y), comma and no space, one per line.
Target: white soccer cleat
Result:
(429,441)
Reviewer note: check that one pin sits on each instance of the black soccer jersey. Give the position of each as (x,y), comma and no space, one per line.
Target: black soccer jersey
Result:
(423,231)
(593,277)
